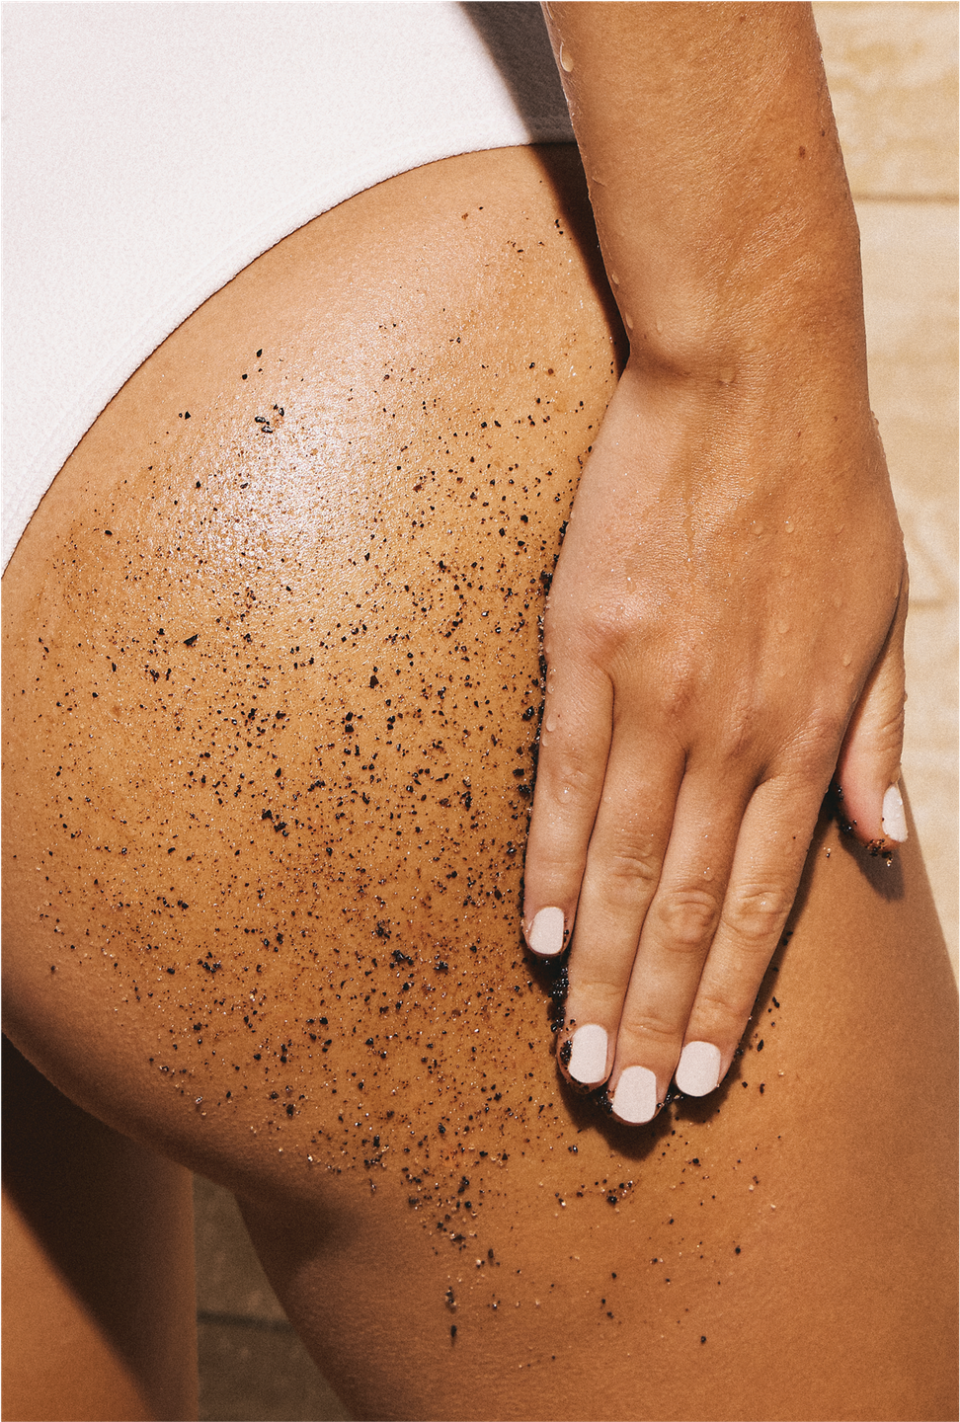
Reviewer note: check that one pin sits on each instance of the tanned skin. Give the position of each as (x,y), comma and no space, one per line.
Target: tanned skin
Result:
(725,630)
(273,689)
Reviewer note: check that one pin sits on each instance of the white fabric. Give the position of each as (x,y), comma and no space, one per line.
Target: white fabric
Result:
(152,151)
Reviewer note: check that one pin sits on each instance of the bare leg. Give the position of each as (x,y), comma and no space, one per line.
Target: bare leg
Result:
(98,1301)
(272,699)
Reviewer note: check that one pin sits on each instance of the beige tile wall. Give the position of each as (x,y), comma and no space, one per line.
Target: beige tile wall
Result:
(892,70)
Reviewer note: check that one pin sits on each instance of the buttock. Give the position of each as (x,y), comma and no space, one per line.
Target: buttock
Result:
(274,668)
(272,695)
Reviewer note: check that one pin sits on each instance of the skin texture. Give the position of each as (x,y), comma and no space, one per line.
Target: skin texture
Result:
(724,634)
(263,866)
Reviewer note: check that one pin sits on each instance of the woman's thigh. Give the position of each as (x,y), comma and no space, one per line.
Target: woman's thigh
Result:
(99,1310)
(272,695)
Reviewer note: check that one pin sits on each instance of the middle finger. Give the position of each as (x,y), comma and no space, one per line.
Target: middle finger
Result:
(624,863)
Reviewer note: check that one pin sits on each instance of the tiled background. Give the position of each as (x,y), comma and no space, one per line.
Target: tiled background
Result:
(892,69)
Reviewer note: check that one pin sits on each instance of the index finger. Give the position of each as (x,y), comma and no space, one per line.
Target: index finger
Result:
(575,740)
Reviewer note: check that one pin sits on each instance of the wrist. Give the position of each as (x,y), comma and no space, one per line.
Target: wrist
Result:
(721,327)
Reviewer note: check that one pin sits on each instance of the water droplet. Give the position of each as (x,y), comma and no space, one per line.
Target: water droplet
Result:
(614,278)
(725,375)
(757,527)
(551,723)
(628,320)
(566,60)
(783,627)
(659,324)
(708,873)
(847,658)
(789,525)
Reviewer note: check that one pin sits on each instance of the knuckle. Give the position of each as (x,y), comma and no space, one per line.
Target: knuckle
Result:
(592,998)
(822,734)
(723,1018)
(646,1036)
(887,733)
(603,626)
(629,871)
(739,728)
(679,690)
(685,918)
(756,914)
(593,622)
(567,780)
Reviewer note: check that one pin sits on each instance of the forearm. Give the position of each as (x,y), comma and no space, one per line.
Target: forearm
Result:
(717,182)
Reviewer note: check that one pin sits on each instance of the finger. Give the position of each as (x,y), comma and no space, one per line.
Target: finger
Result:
(679,929)
(771,851)
(868,771)
(623,868)
(574,743)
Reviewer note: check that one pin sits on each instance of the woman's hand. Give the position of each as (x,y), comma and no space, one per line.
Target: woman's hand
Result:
(724,626)
(724,632)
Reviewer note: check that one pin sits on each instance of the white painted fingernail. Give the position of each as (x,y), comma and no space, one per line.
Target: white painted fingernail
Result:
(698,1070)
(635,1099)
(546,933)
(894,817)
(588,1057)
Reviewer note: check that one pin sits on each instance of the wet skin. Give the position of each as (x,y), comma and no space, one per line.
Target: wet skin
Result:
(272,699)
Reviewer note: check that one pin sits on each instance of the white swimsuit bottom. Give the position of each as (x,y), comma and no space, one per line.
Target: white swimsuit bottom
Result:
(152,151)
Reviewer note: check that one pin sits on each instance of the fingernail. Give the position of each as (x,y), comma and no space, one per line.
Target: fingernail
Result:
(698,1070)
(635,1099)
(546,933)
(588,1057)
(894,819)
